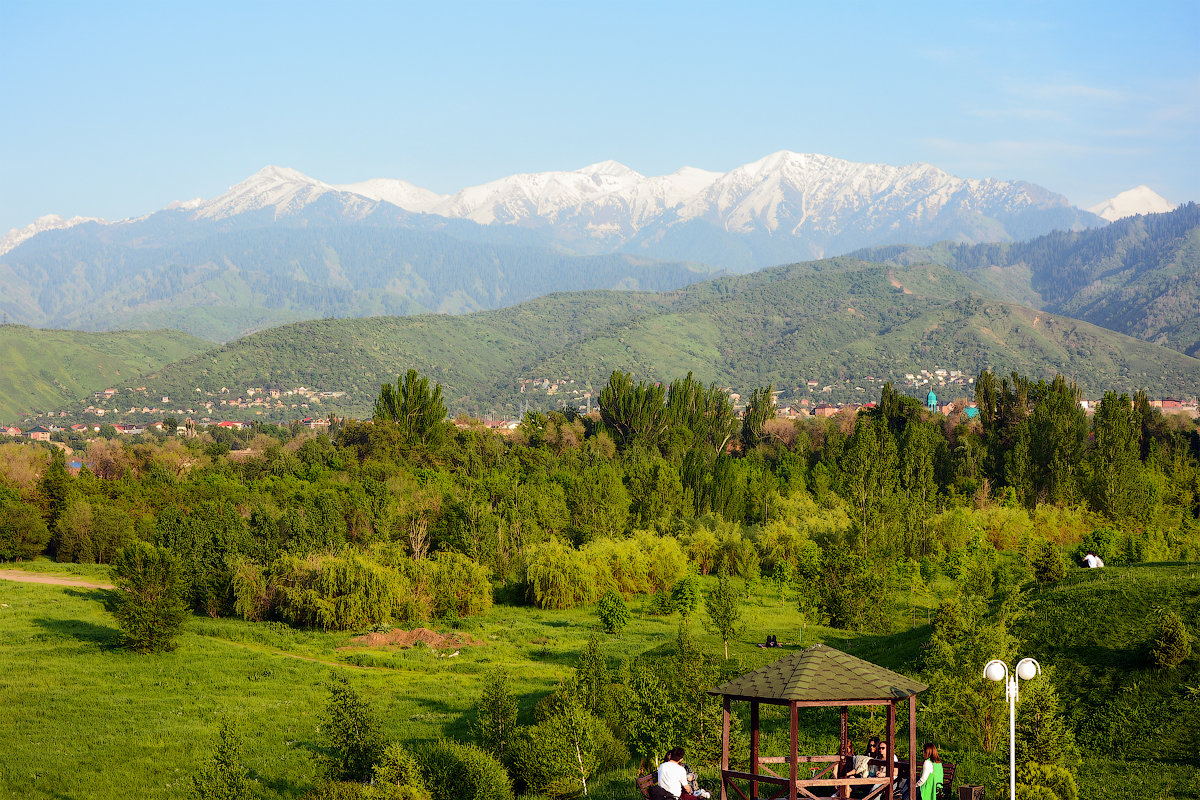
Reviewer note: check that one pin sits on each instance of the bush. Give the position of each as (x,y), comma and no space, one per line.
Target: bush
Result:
(1028,792)
(148,597)
(1173,645)
(461,588)
(613,613)
(1048,776)
(338,592)
(559,577)
(566,748)
(456,771)
(495,713)
(1049,565)
(398,776)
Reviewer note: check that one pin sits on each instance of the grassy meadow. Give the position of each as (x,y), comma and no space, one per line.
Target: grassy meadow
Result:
(85,719)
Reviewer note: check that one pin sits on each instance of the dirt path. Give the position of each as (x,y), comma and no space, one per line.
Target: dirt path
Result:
(54,580)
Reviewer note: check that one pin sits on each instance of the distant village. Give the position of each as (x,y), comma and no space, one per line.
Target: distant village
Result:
(129,411)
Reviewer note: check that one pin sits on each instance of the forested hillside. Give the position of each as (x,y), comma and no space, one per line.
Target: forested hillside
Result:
(1139,275)
(835,322)
(49,369)
(926,543)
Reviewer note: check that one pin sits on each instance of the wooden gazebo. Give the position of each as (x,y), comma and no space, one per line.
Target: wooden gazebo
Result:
(817,676)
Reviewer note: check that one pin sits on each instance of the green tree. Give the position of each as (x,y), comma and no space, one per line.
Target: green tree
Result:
(613,612)
(397,776)
(495,713)
(1173,645)
(635,413)
(759,408)
(353,735)
(148,598)
(23,533)
(686,596)
(417,411)
(1114,460)
(1049,565)
(1043,735)
(724,608)
(225,776)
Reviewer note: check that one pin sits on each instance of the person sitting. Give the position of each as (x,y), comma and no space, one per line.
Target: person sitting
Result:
(672,778)
(693,783)
(929,785)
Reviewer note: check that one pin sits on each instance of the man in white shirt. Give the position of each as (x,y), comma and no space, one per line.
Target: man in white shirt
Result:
(1092,561)
(672,777)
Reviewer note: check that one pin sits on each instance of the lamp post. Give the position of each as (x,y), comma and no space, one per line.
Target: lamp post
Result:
(997,670)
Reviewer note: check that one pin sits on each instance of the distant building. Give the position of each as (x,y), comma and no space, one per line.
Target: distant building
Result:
(39,434)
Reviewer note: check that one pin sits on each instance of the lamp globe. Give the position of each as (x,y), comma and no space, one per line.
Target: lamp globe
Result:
(1028,668)
(995,671)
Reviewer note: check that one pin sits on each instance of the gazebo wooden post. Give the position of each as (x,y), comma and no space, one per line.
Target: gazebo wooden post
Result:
(753,748)
(794,761)
(724,744)
(912,746)
(891,743)
(843,791)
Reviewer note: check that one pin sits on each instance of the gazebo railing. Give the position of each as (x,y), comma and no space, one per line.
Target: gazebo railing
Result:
(882,786)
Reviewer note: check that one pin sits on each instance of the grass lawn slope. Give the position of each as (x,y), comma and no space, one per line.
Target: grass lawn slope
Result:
(48,369)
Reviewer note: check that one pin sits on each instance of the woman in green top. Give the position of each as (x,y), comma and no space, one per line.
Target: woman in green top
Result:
(929,785)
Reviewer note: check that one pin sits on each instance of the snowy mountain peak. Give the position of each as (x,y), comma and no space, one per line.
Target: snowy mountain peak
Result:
(398,192)
(49,222)
(1138,200)
(611,168)
(285,189)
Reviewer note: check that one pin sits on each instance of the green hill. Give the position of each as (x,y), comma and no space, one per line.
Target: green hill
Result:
(837,322)
(1095,628)
(1139,276)
(50,369)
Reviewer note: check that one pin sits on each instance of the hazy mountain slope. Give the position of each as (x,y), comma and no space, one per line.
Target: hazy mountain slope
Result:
(831,321)
(230,282)
(50,369)
(1139,275)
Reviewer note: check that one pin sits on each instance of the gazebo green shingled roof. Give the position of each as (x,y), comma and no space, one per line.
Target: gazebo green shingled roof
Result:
(821,673)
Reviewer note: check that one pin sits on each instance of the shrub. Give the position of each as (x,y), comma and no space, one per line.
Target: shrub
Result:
(456,771)
(613,613)
(557,756)
(1048,776)
(461,588)
(338,592)
(398,776)
(148,597)
(1028,792)
(1173,645)
(1049,565)
(559,577)
(354,740)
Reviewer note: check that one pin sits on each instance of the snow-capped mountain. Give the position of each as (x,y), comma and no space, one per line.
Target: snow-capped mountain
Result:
(49,222)
(283,190)
(1138,200)
(282,245)
(407,196)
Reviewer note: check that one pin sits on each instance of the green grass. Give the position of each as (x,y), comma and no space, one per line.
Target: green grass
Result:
(51,369)
(84,719)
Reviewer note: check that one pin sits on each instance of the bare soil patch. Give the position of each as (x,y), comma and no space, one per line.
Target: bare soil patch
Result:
(398,638)
(54,580)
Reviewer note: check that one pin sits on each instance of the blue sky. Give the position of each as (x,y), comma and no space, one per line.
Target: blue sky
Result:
(115,110)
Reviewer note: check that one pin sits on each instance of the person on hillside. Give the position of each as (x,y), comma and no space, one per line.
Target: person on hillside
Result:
(1092,561)
(673,776)
(932,777)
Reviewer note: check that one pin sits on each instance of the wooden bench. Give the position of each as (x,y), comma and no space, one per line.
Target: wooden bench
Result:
(644,783)
(947,788)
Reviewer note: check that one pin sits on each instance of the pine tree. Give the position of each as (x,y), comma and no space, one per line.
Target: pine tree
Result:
(226,776)
(495,713)
(353,733)
(148,597)
(1173,644)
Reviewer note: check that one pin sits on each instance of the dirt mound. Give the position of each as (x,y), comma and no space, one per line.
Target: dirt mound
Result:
(399,637)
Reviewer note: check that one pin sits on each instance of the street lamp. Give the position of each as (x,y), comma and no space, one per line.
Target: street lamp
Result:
(997,670)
